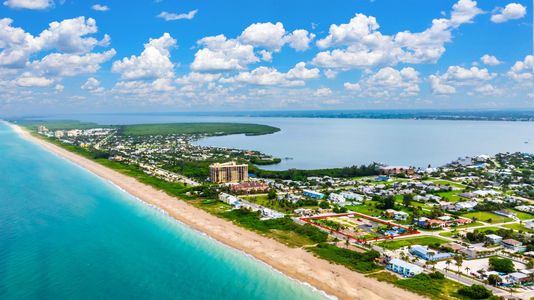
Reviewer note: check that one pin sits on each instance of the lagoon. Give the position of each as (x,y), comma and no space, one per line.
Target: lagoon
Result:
(312,143)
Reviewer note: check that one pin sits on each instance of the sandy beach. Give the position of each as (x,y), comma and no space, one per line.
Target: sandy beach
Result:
(333,279)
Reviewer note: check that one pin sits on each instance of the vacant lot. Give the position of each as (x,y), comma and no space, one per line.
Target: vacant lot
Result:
(488,217)
(421,240)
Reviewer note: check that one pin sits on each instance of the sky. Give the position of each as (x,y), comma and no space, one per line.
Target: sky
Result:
(62,56)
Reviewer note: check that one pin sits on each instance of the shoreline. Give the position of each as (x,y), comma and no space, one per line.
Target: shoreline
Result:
(296,263)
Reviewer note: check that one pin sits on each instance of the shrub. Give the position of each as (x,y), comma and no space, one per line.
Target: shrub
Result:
(475,292)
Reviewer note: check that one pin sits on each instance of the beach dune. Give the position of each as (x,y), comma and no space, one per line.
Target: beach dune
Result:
(297,263)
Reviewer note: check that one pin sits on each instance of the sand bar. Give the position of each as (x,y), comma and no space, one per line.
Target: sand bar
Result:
(295,262)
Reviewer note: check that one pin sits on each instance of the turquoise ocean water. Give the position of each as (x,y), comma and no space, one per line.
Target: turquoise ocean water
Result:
(67,234)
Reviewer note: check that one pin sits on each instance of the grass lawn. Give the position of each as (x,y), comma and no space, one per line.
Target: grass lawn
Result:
(422,284)
(521,215)
(451,196)
(518,227)
(448,233)
(485,229)
(474,224)
(365,209)
(448,182)
(420,240)
(486,216)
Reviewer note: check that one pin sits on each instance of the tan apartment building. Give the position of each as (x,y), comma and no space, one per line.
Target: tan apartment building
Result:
(228,172)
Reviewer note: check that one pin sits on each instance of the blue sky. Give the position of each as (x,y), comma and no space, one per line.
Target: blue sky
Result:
(113,56)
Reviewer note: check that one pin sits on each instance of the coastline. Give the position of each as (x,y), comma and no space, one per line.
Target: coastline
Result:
(296,263)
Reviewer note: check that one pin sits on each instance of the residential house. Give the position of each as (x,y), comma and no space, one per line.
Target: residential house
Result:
(404,268)
(494,239)
(514,245)
(428,254)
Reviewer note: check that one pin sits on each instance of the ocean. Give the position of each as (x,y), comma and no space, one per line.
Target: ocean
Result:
(68,234)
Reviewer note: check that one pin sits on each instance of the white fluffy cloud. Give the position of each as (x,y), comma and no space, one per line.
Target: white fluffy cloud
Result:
(29,4)
(388,82)
(270,76)
(439,87)
(457,76)
(490,60)
(29,80)
(154,61)
(222,54)
(274,37)
(64,49)
(219,53)
(167,16)
(523,71)
(512,11)
(323,92)
(100,7)
(92,85)
(363,45)
(66,64)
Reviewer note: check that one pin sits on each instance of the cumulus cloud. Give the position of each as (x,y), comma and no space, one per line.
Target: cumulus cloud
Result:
(167,16)
(92,85)
(439,87)
(154,61)
(29,4)
(490,60)
(296,76)
(360,44)
(512,11)
(29,80)
(63,49)
(100,7)
(523,70)
(274,37)
(66,64)
(457,76)
(388,82)
(322,92)
(222,54)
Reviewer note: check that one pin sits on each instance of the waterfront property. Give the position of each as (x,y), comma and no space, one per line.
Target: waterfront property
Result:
(428,254)
(404,268)
(228,172)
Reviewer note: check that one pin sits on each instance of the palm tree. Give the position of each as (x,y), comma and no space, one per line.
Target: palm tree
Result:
(467,269)
(448,263)
(459,260)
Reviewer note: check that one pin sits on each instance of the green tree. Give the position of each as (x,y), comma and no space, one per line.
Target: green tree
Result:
(272,194)
(407,200)
(504,265)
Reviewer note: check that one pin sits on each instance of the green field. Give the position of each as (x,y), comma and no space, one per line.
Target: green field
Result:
(488,217)
(518,227)
(196,128)
(521,215)
(474,224)
(420,240)
(451,196)
(489,228)
(448,182)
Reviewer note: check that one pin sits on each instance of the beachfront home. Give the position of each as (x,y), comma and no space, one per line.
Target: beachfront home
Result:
(229,199)
(428,254)
(312,194)
(404,268)
(393,170)
(514,245)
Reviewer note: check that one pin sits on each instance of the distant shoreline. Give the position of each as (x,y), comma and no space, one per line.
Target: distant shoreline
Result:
(294,262)
(510,115)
